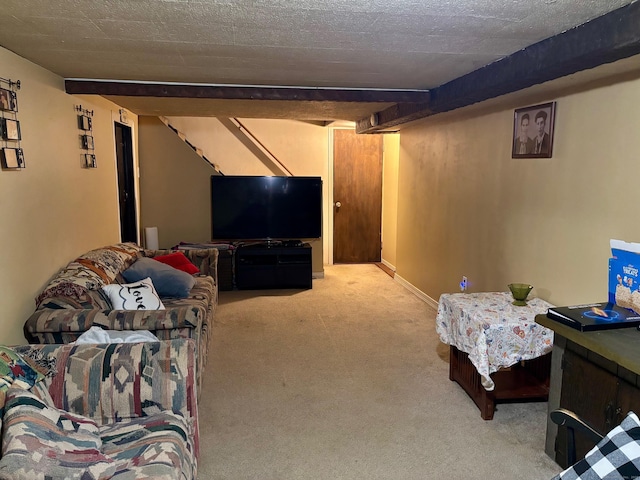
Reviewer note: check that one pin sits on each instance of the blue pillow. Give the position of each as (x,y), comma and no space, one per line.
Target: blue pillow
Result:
(168,281)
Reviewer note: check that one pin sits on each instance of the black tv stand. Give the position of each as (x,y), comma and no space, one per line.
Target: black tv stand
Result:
(271,265)
(293,243)
(273,243)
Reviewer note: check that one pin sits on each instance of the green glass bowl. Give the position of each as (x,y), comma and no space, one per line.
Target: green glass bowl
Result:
(520,292)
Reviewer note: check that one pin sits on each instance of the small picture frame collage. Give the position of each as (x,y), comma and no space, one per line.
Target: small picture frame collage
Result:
(11,154)
(533,131)
(85,125)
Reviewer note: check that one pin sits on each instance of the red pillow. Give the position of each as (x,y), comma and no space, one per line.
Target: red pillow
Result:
(179,261)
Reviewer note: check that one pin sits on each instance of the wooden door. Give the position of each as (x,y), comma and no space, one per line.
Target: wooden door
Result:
(357,196)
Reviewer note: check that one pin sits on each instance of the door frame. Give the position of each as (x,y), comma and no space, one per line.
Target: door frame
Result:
(328,238)
(125,118)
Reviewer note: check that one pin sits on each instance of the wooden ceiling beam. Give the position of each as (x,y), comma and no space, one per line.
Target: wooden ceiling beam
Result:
(176,90)
(606,39)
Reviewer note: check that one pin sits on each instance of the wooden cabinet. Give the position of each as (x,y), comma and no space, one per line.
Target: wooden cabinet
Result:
(592,393)
(628,401)
(597,376)
(588,390)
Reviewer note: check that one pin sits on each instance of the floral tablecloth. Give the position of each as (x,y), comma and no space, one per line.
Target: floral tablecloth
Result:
(494,332)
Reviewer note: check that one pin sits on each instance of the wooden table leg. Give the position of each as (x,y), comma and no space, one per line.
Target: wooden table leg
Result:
(521,382)
(462,371)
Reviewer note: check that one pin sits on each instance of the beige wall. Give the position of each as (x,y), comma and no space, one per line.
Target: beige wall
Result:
(54,210)
(183,214)
(467,208)
(174,186)
(390,198)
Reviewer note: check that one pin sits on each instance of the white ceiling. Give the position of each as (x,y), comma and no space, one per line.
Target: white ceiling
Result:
(360,44)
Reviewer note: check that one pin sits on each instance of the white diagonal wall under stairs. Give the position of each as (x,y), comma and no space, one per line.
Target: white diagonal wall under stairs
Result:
(255,146)
(183,137)
(246,138)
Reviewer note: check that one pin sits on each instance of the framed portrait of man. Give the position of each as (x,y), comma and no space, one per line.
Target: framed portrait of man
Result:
(533,131)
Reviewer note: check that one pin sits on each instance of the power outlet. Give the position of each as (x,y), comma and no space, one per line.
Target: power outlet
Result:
(463,284)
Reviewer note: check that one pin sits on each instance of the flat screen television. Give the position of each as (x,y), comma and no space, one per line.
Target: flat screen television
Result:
(265,208)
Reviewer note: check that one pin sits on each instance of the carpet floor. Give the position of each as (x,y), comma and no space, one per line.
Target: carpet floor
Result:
(349,380)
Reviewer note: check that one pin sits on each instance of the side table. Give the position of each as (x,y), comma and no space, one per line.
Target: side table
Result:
(497,350)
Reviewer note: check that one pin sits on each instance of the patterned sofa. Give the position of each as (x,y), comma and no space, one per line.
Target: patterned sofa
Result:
(125,411)
(73,302)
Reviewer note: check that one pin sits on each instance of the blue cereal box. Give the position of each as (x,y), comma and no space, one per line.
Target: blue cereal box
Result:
(624,266)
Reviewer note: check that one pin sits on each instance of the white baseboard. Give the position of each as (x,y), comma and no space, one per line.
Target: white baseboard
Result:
(417,292)
(316,275)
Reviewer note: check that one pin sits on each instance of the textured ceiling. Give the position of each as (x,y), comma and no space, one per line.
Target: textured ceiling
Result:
(372,44)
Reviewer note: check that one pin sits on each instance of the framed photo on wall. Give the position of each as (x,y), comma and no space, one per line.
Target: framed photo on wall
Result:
(12,158)
(87,142)
(8,100)
(10,129)
(90,160)
(533,131)
(84,122)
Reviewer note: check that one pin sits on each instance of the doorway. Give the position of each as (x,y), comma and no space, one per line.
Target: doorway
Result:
(357,197)
(126,183)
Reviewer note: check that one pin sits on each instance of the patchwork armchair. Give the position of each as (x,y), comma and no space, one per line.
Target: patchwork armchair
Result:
(124,410)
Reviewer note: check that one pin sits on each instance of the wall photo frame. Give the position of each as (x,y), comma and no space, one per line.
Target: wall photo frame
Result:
(10,129)
(85,125)
(8,100)
(84,122)
(87,142)
(90,160)
(12,158)
(533,129)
